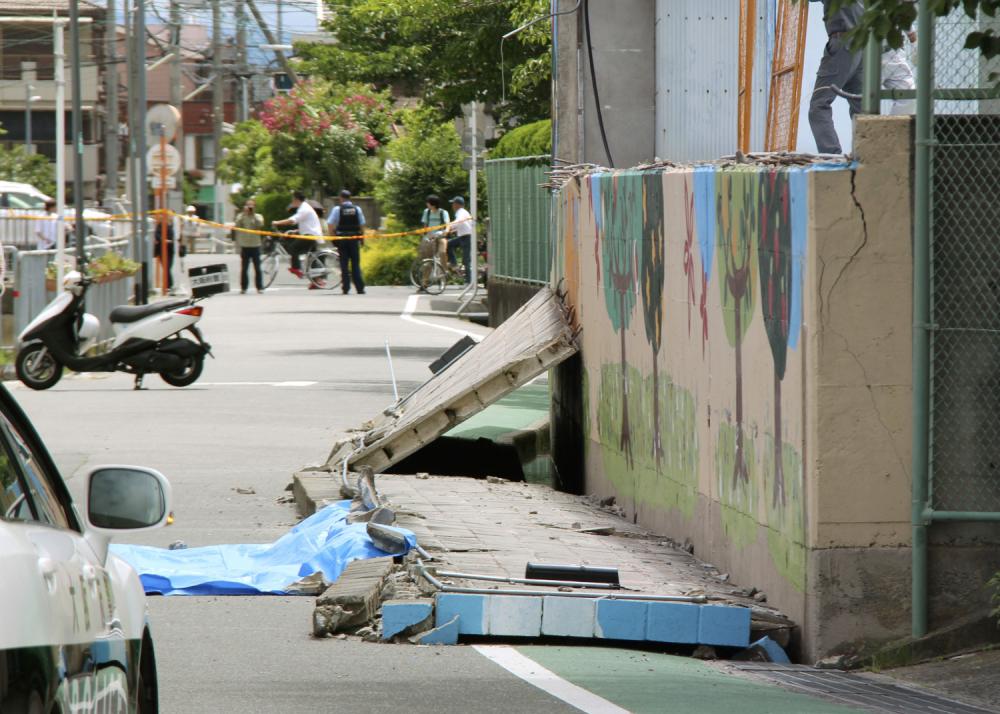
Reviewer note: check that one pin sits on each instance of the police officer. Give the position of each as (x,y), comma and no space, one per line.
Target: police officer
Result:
(348,220)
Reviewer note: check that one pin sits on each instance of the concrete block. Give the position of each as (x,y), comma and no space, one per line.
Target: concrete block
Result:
(621,619)
(568,616)
(471,611)
(724,625)
(446,634)
(515,616)
(772,649)
(675,622)
(399,615)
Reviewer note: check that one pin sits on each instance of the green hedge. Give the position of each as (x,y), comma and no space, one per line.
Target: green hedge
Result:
(387,261)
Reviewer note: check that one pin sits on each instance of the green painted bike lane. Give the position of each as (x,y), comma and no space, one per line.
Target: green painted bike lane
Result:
(651,683)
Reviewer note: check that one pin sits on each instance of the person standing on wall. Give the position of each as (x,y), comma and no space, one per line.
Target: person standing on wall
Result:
(347,219)
(308,224)
(249,244)
(840,67)
(463,229)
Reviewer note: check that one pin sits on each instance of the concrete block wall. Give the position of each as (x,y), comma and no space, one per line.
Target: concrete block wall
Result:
(746,370)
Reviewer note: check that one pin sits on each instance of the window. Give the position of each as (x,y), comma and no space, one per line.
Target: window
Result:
(205,152)
(14,504)
(46,503)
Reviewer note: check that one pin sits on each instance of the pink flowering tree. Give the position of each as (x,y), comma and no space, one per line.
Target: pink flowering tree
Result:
(317,138)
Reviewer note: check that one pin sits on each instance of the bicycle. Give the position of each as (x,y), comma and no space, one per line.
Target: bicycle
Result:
(322,263)
(428,273)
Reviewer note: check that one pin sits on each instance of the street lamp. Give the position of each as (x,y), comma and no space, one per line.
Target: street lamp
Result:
(29,98)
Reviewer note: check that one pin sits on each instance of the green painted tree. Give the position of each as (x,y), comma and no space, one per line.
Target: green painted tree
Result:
(737,224)
(652,277)
(774,256)
(620,230)
(448,53)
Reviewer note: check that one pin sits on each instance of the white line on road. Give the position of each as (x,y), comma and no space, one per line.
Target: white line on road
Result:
(535,674)
(411,306)
(256,384)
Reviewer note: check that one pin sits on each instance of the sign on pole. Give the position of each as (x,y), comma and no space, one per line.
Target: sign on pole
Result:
(163,157)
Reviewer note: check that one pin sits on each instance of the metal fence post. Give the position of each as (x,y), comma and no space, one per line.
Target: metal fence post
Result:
(921,314)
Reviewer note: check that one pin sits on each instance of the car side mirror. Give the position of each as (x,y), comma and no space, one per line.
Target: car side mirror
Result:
(126,498)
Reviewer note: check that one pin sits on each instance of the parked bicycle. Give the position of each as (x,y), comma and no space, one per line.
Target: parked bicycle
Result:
(322,263)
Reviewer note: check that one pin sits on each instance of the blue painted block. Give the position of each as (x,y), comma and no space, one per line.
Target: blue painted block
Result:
(568,616)
(471,611)
(397,615)
(515,615)
(446,634)
(774,651)
(673,622)
(724,625)
(621,619)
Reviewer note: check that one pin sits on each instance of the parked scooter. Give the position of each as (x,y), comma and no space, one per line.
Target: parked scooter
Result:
(147,340)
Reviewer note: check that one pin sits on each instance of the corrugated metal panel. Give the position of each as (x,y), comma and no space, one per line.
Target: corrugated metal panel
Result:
(697,65)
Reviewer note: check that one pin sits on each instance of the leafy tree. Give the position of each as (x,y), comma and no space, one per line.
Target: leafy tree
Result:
(317,138)
(446,52)
(426,159)
(890,20)
(16,164)
(534,139)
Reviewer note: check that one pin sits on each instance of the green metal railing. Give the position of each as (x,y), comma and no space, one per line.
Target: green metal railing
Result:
(956,281)
(520,247)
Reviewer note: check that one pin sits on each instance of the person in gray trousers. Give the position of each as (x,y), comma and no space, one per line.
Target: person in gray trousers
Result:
(839,66)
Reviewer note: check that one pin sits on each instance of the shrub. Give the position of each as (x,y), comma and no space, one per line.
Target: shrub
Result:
(533,139)
(387,261)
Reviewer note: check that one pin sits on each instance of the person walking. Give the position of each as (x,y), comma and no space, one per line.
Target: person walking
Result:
(308,224)
(347,219)
(463,229)
(47,229)
(191,230)
(839,67)
(249,245)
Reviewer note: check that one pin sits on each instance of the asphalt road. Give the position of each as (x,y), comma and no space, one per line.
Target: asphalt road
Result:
(293,367)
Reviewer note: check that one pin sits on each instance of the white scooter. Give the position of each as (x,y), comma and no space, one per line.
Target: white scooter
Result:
(147,340)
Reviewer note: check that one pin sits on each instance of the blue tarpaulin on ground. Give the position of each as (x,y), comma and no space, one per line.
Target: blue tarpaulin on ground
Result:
(323,542)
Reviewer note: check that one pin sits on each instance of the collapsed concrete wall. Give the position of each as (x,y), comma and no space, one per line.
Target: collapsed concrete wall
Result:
(746,370)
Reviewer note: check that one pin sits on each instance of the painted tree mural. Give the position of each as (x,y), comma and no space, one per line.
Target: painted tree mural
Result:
(774,255)
(689,226)
(620,228)
(651,247)
(705,192)
(737,210)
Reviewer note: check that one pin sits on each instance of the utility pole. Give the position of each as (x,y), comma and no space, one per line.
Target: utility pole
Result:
(74,22)
(241,60)
(218,87)
(177,97)
(138,129)
(59,53)
(28,89)
(111,109)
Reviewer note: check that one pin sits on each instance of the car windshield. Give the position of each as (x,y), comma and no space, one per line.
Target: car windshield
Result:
(22,200)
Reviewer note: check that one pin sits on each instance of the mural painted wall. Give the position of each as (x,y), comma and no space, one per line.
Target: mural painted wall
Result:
(689,286)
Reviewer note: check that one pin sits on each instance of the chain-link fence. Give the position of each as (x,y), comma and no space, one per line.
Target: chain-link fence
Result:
(519,247)
(964,473)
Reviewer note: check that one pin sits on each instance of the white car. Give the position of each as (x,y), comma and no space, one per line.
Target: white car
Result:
(74,630)
(20,198)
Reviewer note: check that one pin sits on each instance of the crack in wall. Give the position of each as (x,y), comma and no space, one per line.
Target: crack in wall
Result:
(852,256)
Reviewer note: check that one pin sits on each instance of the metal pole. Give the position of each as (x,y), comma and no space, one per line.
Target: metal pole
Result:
(111,109)
(218,107)
(80,228)
(130,162)
(59,53)
(922,314)
(177,99)
(27,117)
(139,129)
(872,75)
(241,59)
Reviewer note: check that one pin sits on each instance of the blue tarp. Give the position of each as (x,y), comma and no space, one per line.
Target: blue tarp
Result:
(323,542)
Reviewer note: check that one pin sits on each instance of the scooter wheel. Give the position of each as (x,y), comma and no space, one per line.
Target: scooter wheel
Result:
(36,366)
(188,374)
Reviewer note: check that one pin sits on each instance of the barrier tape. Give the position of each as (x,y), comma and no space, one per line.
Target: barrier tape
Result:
(120,217)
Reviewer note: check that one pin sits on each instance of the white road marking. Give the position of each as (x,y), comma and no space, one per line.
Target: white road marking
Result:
(256,384)
(536,675)
(411,306)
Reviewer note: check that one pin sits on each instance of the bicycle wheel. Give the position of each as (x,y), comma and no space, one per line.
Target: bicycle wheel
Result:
(269,265)
(434,278)
(324,270)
